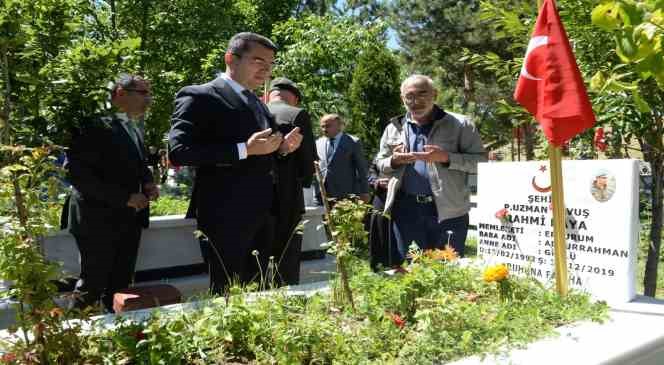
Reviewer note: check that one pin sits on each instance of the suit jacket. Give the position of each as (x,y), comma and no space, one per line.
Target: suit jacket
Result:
(105,168)
(295,170)
(346,173)
(208,122)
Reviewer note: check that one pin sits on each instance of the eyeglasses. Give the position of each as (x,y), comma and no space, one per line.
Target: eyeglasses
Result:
(423,95)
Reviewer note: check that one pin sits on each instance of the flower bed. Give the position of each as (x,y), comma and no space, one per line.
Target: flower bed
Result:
(432,311)
(437,311)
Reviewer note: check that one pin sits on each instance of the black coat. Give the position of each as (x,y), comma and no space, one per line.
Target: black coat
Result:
(105,168)
(208,122)
(295,170)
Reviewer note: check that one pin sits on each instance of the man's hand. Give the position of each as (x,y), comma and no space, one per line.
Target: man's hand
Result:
(364,197)
(262,143)
(137,201)
(291,142)
(151,191)
(432,153)
(399,157)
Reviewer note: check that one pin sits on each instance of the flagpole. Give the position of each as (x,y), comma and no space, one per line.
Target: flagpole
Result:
(558,202)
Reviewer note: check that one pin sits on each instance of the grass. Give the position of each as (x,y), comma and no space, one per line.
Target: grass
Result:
(169,205)
(435,312)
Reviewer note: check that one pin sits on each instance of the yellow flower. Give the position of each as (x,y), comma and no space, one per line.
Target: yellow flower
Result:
(448,254)
(496,273)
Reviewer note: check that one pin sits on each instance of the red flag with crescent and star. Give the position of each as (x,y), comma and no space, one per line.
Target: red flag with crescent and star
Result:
(550,86)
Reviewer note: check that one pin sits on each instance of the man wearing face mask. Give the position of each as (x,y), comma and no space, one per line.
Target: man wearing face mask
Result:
(112,187)
(223,130)
(428,153)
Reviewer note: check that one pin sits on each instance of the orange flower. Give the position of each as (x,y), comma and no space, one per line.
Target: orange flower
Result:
(448,254)
(496,273)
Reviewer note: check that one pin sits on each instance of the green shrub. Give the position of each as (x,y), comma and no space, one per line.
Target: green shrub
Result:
(169,205)
(436,312)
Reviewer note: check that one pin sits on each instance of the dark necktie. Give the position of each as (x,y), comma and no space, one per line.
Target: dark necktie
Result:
(133,134)
(255,105)
(330,150)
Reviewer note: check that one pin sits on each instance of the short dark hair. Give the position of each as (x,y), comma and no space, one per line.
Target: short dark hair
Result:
(242,42)
(125,81)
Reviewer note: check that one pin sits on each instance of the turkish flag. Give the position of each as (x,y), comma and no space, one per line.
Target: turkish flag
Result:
(550,86)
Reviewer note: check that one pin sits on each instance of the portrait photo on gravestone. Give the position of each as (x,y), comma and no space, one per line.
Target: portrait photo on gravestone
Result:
(603,186)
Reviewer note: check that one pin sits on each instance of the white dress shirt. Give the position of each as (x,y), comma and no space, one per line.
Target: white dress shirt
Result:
(241,147)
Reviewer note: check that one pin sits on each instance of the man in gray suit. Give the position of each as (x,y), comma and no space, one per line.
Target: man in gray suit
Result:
(342,162)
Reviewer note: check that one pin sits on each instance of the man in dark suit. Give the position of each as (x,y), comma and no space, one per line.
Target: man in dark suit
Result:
(294,171)
(112,185)
(224,131)
(342,162)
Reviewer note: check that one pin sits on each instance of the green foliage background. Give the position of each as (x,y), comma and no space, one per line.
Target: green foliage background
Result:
(374,96)
(320,54)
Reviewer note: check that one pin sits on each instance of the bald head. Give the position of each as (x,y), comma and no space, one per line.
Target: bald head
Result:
(331,124)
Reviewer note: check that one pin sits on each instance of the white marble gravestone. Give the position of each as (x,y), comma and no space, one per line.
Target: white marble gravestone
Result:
(601,201)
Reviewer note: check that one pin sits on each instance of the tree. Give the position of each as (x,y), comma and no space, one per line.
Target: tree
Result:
(56,60)
(364,11)
(320,53)
(627,84)
(435,33)
(315,7)
(52,70)
(638,30)
(181,43)
(510,23)
(438,38)
(374,96)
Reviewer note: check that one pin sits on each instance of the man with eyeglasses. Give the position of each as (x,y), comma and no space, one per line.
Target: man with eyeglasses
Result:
(224,131)
(112,186)
(428,154)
